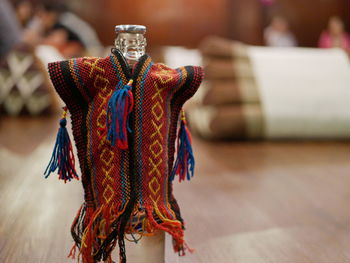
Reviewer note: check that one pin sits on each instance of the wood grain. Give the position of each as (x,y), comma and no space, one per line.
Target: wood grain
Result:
(260,202)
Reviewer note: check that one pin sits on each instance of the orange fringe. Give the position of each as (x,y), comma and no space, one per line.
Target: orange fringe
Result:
(98,228)
(171,226)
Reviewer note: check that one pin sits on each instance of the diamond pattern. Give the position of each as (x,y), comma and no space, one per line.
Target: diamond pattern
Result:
(108,193)
(157,111)
(154,185)
(107,156)
(101,119)
(156,148)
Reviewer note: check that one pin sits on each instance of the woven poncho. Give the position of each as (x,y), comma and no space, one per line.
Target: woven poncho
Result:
(127,186)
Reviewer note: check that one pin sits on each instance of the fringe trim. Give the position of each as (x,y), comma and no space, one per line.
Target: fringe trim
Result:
(146,221)
(159,218)
(90,229)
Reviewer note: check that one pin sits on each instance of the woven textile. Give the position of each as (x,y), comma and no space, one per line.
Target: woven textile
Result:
(126,191)
(228,106)
(24,87)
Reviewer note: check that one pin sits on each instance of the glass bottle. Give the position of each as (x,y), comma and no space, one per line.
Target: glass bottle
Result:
(131,42)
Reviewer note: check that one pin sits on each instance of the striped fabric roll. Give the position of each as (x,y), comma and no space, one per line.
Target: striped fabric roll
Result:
(272,93)
(226,122)
(223,92)
(228,106)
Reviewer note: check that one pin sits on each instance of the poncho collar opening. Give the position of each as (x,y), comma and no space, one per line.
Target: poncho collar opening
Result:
(130,72)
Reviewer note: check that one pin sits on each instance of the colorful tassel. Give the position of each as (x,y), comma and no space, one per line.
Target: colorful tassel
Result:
(184,164)
(62,156)
(120,106)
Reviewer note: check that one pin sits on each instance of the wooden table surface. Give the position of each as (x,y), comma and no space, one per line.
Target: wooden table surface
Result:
(249,202)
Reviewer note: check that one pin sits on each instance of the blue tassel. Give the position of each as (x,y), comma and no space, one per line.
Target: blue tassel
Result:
(185,163)
(120,106)
(62,156)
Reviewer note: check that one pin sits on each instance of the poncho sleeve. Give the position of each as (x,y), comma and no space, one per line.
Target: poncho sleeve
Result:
(72,80)
(192,77)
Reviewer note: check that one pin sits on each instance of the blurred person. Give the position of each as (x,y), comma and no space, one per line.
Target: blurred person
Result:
(60,44)
(335,35)
(82,30)
(10,32)
(46,16)
(24,11)
(52,16)
(65,41)
(278,33)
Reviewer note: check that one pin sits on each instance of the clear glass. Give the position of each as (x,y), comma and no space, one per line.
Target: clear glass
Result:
(131,42)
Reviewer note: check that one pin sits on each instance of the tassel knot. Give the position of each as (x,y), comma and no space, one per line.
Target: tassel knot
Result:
(120,105)
(62,156)
(184,163)
(63,123)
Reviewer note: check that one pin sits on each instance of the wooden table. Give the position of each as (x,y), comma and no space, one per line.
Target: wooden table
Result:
(249,202)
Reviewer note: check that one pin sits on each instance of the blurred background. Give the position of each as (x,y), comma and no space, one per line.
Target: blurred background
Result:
(271,123)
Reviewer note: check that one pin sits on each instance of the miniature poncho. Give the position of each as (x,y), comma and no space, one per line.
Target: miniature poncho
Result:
(125,124)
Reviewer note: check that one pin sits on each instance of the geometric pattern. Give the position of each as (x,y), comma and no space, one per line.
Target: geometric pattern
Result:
(22,84)
(107,155)
(156,148)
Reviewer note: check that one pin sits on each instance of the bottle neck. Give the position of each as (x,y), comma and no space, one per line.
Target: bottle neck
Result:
(131,45)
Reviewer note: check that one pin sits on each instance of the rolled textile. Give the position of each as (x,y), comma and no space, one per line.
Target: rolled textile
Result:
(225,122)
(219,68)
(304,92)
(214,46)
(220,92)
(301,93)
